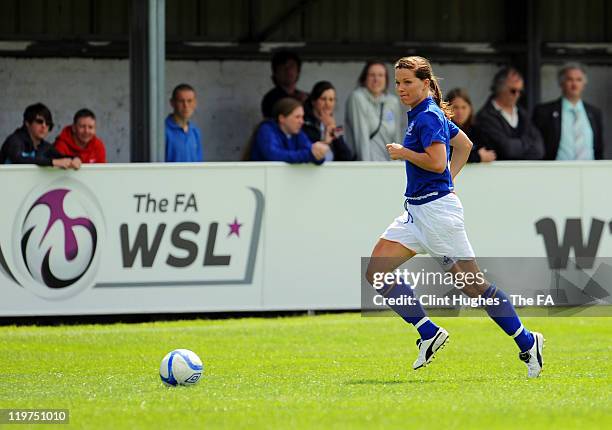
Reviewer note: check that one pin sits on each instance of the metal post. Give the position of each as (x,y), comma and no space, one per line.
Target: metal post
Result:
(534,56)
(147,80)
(157,83)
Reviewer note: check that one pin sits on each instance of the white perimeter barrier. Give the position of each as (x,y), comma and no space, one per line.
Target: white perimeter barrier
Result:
(145,238)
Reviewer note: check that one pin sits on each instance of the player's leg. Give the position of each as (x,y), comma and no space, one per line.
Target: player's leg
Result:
(386,257)
(445,237)
(503,313)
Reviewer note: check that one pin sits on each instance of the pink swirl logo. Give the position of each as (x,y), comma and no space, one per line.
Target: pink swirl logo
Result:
(57,249)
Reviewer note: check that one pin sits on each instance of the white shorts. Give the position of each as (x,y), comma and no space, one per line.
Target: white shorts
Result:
(435,228)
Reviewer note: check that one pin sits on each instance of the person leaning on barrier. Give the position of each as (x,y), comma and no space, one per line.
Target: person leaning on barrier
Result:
(79,140)
(572,129)
(27,145)
(282,138)
(463,116)
(506,127)
(319,121)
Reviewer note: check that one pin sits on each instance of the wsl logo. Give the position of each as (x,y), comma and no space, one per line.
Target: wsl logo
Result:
(79,244)
(56,240)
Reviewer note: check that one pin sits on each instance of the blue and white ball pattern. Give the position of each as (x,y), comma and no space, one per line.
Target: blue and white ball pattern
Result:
(181,367)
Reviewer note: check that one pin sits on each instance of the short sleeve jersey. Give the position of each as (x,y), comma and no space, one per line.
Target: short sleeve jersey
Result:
(427,124)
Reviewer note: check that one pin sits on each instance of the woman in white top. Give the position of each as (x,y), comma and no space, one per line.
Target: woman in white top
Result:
(373,116)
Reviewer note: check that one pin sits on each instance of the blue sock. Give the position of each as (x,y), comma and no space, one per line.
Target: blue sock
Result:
(411,313)
(505,316)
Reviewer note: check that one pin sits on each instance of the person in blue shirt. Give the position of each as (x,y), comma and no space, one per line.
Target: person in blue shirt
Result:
(433,221)
(183,138)
(282,138)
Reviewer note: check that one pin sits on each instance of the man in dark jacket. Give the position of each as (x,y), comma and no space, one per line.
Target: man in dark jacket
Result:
(506,127)
(572,129)
(286,68)
(27,145)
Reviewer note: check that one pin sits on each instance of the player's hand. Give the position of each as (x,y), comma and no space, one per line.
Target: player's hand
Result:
(319,149)
(396,151)
(487,155)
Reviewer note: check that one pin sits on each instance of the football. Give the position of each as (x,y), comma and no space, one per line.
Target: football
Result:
(180,367)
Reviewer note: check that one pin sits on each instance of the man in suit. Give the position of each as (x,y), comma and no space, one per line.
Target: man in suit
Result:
(504,126)
(572,129)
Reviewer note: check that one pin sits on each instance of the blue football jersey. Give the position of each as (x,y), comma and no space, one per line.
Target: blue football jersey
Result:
(427,124)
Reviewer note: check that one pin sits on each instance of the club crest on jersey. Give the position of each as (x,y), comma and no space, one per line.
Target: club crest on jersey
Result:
(409,131)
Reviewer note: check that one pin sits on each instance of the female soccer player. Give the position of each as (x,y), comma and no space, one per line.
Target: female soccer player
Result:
(433,220)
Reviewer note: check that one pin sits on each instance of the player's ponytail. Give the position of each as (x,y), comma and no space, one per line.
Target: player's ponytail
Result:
(436,93)
(422,70)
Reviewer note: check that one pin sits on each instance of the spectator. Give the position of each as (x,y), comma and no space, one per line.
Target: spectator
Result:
(183,139)
(463,116)
(572,129)
(79,140)
(27,145)
(504,126)
(282,139)
(286,68)
(320,124)
(373,117)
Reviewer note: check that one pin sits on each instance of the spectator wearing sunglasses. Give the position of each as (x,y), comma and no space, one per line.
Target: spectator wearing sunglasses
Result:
(505,127)
(27,145)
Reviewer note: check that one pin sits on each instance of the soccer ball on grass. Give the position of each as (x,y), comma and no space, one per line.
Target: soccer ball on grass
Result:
(180,367)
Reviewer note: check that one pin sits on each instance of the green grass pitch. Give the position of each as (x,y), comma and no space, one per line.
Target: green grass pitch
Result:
(328,371)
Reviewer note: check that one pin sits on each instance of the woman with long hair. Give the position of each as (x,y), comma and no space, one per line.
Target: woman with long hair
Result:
(320,123)
(463,116)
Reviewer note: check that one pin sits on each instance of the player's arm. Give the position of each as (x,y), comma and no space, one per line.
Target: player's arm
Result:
(433,159)
(462,146)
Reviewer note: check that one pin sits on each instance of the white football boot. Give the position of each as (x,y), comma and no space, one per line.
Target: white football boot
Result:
(428,348)
(533,356)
